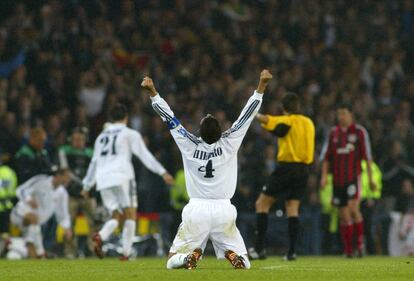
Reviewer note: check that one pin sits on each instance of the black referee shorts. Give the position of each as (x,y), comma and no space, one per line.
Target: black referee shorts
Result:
(288,180)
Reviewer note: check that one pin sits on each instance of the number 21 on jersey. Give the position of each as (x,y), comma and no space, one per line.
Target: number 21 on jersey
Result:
(108,145)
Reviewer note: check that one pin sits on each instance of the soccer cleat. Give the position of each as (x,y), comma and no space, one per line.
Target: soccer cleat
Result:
(123,258)
(97,245)
(236,261)
(359,253)
(254,255)
(289,257)
(190,261)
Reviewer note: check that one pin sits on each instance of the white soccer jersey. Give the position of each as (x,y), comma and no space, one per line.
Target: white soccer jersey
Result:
(49,200)
(111,162)
(210,170)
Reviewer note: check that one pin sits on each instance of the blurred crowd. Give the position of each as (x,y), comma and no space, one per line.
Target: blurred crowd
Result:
(64,64)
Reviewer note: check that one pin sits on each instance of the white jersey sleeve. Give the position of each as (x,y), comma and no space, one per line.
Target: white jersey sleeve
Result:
(186,141)
(235,135)
(140,150)
(61,198)
(90,178)
(25,191)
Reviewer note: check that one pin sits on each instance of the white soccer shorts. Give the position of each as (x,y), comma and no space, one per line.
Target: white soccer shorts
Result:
(204,219)
(120,197)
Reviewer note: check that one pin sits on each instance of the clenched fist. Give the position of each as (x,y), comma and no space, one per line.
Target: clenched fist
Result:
(265,76)
(148,84)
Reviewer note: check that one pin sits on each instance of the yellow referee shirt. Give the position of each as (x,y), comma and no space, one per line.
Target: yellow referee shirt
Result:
(298,145)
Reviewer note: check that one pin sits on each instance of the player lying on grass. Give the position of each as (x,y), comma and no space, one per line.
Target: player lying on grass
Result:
(111,168)
(40,198)
(210,166)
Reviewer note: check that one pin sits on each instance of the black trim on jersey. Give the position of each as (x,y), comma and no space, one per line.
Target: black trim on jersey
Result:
(192,138)
(243,119)
(162,113)
(168,118)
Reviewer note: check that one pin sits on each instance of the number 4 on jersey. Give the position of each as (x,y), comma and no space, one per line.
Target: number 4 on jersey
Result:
(208,169)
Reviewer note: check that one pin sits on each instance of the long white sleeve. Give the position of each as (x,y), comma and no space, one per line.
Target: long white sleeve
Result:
(235,135)
(90,178)
(185,140)
(25,191)
(61,199)
(140,150)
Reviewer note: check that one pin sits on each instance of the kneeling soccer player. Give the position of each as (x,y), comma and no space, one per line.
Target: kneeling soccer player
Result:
(210,165)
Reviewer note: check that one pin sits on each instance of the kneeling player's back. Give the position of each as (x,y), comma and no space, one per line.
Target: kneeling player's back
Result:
(211,171)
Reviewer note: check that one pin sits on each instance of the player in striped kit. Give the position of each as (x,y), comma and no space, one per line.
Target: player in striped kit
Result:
(210,166)
(347,145)
(112,171)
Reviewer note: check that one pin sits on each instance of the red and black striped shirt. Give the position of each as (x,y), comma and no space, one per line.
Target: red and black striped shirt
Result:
(344,150)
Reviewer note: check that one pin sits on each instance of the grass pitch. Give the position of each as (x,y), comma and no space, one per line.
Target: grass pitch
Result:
(306,268)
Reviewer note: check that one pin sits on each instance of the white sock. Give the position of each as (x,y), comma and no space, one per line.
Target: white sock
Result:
(127,235)
(176,261)
(246,261)
(30,236)
(40,250)
(34,236)
(108,228)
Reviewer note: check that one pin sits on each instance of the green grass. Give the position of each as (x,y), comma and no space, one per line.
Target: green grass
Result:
(306,268)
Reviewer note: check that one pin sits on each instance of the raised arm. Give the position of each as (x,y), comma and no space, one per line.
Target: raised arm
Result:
(185,141)
(238,130)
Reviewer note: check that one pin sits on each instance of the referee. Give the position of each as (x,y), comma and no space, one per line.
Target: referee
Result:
(296,145)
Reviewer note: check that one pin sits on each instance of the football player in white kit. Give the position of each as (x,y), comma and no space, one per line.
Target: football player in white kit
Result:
(112,171)
(41,197)
(210,167)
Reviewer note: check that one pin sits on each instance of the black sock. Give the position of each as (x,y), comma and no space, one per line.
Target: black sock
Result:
(261,228)
(293,230)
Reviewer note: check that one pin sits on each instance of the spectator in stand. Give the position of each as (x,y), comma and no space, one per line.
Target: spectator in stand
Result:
(33,159)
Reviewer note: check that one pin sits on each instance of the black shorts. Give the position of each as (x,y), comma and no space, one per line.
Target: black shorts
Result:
(342,194)
(288,180)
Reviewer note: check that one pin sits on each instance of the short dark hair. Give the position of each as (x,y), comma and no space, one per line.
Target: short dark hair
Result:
(345,105)
(291,103)
(118,112)
(210,130)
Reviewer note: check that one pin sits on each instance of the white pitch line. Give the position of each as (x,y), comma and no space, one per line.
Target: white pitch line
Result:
(274,267)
